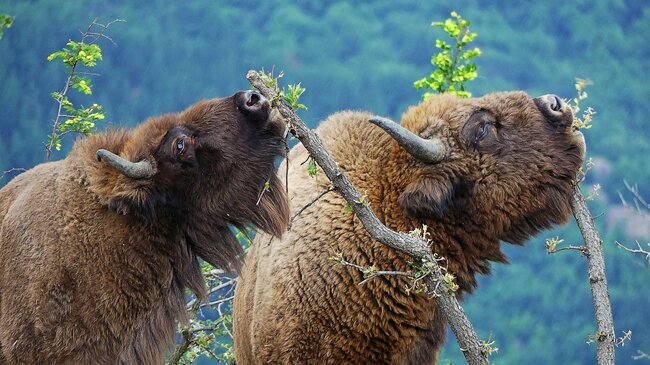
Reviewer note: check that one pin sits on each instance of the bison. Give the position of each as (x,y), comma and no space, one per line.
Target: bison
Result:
(474,171)
(97,249)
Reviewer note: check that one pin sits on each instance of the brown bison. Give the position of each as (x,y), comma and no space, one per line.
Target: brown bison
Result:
(97,249)
(475,171)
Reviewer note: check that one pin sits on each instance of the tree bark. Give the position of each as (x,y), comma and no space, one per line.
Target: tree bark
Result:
(605,336)
(472,348)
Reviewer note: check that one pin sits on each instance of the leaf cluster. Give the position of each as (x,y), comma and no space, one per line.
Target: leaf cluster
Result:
(86,53)
(5,22)
(581,121)
(453,65)
(290,95)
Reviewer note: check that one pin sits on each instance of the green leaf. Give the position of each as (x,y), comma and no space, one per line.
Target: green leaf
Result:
(292,95)
(312,168)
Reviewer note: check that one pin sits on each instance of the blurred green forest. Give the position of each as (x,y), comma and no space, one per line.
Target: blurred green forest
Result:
(366,55)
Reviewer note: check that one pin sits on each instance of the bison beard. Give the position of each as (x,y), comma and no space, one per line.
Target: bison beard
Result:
(95,251)
(475,171)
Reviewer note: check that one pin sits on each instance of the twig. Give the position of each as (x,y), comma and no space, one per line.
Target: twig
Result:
(627,336)
(223,285)
(581,249)
(329,189)
(14,169)
(637,196)
(605,335)
(472,347)
(641,355)
(264,189)
(370,273)
(638,250)
(220,301)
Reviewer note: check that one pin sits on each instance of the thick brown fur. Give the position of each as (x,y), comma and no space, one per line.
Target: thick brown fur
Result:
(509,175)
(93,264)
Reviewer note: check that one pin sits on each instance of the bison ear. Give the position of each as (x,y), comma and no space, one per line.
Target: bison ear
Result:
(427,197)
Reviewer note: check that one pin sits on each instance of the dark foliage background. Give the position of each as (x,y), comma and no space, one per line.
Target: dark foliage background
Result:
(366,55)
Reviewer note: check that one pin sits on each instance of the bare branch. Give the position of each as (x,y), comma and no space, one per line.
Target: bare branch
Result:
(639,249)
(371,272)
(581,249)
(473,349)
(627,336)
(225,284)
(635,191)
(641,355)
(605,338)
(220,301)
(14,169)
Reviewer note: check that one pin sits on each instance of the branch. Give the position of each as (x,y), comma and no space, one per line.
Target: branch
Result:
(14,169)
(638,199)
(641,355)
(329,189)
(639,249)
(187,337)
(473,349)
(581,249)
(605,336)
(226,283)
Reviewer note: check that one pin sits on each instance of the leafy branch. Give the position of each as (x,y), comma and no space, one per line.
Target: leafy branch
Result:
(453,64)
(70,119)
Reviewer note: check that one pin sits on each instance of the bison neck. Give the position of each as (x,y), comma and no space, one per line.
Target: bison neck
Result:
(456,236)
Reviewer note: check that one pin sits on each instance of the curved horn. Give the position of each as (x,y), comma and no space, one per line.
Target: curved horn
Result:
(134,170)
(428,150)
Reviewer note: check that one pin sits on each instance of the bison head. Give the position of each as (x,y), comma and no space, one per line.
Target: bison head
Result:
(501,165)
(202,170)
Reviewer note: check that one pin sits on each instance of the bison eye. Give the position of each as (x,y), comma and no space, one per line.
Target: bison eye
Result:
(483,130)
(180,146)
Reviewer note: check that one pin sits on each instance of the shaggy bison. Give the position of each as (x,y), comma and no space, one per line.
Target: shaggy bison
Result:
(97,249)
(475,171)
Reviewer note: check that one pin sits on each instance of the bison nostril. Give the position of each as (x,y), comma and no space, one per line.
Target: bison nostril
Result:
(550,103)
(253,105)
(253,98)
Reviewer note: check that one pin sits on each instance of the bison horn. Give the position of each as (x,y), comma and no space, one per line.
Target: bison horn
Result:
(428,150)
(134,170)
